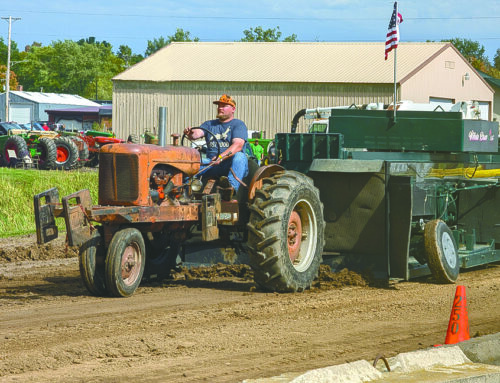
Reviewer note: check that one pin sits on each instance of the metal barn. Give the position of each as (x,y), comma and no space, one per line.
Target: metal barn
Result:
(272,81)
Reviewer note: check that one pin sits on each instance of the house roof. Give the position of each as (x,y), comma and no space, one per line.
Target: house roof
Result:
(355,62)
(489,79)
(54,98)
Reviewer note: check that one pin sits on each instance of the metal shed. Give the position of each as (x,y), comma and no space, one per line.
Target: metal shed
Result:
(272,81)
(82,118)
(25,107)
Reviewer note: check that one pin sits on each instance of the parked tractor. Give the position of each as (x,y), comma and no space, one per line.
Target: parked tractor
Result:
(397,198)
(49,149)
(94,141)
(24,145)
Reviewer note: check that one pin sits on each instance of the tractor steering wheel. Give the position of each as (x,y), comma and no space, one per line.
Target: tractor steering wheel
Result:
(211,137)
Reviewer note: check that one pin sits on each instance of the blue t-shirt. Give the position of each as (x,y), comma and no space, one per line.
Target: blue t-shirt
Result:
(224,133)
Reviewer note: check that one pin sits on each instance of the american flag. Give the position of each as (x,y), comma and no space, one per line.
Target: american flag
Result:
(392,38)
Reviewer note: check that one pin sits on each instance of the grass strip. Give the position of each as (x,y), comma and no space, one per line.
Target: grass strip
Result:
(18,187)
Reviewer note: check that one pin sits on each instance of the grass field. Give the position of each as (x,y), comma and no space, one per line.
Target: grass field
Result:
(18,187)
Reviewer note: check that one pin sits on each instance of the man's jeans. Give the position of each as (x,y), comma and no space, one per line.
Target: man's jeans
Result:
(239,164)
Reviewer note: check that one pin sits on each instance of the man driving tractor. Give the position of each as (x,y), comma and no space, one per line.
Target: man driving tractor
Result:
(230,135)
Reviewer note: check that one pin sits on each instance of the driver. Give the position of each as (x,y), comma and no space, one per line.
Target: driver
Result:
(231,135)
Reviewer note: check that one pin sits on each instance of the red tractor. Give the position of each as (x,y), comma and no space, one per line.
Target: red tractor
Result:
(151,201)
(95,141)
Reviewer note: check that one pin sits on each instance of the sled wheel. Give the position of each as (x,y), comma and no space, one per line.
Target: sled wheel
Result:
(91,261)
(125,262)
(67,153)
(18,145)
(48,153)
(285,232)
(441,250)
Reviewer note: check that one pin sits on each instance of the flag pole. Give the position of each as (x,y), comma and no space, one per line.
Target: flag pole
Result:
(395,64)
(395,84)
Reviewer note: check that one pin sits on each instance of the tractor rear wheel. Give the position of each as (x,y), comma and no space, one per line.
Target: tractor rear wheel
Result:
(285,232)
(91,262)
(67,153)
(442,252)
(18,145)
(125,262)
(83,151)
(48,153)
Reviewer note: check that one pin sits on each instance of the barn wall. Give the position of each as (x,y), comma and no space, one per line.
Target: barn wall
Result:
(262,106)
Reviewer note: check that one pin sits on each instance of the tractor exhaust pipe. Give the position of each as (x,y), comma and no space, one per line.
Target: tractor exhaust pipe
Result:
(162,126)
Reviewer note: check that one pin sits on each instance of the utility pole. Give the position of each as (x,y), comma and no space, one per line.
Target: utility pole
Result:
(7,75)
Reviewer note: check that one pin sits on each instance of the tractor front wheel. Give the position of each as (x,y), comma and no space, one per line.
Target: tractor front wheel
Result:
(285,232)
(48,153)
(91,262)
(125,262)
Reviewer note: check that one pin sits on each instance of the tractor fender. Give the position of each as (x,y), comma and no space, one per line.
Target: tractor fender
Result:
(262,172)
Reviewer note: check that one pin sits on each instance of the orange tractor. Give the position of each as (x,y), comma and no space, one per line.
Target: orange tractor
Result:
(152,200)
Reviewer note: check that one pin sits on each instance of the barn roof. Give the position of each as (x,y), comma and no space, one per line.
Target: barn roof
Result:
(319,62)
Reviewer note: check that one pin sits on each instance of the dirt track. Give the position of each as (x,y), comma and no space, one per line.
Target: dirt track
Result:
(212,324)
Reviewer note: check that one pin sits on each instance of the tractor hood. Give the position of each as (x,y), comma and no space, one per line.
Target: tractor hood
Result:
(185,159)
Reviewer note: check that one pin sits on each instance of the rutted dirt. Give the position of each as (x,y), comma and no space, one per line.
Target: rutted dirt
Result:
(212,324)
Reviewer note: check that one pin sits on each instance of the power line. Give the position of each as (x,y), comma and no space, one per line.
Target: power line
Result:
(251,18)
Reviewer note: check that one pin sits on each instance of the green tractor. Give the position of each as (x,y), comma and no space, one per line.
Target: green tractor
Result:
(48,149)
(22,145)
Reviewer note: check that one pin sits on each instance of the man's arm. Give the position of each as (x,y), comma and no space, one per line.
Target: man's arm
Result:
(193,134)
(235,147)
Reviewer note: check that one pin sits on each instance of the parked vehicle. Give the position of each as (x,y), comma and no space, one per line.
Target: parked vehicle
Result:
(6,127)
(95,140)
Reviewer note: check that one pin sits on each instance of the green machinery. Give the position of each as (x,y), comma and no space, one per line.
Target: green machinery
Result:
(404,199)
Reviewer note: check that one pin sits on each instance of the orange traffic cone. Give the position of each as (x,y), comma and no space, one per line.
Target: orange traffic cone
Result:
(458,327)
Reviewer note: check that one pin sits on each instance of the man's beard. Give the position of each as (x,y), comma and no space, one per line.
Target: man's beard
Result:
(223,117)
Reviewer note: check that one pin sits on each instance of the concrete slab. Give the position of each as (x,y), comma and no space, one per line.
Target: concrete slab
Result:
(473,361)
(485,349)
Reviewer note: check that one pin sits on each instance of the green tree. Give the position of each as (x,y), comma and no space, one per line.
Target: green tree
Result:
(179,36)
(4,48)
(129,58)
(92,40)
(268,35)
(496,60)
(81,68)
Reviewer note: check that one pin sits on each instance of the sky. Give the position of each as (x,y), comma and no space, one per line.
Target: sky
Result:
(133,23)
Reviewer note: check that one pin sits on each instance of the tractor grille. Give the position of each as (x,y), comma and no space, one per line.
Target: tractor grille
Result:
(118,178)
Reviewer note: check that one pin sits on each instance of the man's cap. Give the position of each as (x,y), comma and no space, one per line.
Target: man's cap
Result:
(225,99)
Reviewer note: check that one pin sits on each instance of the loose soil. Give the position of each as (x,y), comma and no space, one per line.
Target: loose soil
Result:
(212,324)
